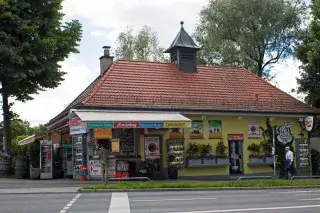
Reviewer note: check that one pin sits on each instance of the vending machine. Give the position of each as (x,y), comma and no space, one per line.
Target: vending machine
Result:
(46,159)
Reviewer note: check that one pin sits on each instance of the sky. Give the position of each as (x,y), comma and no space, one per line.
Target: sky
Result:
(102,21)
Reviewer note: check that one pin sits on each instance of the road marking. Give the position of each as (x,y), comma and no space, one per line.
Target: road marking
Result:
(175,199)
(308,195)
(252,209)
(292,191)
(310,199)
(65,209)
(119,203)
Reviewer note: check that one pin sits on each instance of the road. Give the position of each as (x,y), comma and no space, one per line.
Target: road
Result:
(264,201)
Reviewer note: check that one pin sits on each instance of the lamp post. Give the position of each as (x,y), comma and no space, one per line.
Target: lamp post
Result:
(274,152)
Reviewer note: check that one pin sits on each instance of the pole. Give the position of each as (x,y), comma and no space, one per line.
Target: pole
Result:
(274,152)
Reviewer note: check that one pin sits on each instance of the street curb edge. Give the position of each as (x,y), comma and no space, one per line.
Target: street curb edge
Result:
(195,189)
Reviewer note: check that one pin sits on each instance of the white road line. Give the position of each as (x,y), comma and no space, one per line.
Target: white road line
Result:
(308,195)
(175,199)
(292,191)
(65,209)
(119,203)
(310,199)
(253,209)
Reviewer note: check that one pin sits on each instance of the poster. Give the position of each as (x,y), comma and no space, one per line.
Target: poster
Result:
(115,145)
(95,168)
(152,147)
(111,168)
(176,133)
(215,129)
(102,133)
(196,131)
(284,133)
(253,130)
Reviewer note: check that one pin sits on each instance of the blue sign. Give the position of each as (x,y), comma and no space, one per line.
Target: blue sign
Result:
(151,124)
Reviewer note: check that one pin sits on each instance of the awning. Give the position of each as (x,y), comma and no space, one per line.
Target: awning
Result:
(102,119)
(27,140)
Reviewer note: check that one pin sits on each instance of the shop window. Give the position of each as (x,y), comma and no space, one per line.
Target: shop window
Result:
(127,142)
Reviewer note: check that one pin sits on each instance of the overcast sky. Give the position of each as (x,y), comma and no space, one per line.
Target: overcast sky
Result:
(102,21)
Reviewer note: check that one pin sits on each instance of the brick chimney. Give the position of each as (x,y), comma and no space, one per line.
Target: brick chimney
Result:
(106,60)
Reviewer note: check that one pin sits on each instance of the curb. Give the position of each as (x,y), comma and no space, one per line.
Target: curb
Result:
(30,193)
(195,189)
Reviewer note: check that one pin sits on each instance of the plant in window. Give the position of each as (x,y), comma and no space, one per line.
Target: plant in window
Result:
(193,150)
(206,151)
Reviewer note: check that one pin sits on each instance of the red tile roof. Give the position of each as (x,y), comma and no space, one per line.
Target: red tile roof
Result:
(155,85)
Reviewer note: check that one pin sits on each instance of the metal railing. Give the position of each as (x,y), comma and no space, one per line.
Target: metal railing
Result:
(255,177)
(305,177)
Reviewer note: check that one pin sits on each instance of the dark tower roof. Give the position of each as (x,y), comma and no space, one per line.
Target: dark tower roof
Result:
(183,39)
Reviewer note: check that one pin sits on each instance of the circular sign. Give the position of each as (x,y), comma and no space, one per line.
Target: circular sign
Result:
(152,147)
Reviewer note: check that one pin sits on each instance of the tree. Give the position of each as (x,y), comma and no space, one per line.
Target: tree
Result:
(143,46)
(33,40)
(308,52)
(251,33)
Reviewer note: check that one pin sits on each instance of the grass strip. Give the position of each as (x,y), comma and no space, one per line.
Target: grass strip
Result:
(188,185)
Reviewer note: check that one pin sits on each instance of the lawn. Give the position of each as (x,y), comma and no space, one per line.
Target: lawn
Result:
(222,184)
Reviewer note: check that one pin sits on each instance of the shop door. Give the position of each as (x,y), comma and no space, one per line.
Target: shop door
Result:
(235,153)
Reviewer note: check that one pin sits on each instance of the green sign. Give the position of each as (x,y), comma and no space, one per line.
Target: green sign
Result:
(95,125)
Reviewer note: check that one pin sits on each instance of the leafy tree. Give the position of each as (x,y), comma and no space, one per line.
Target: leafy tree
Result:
(143,46)
(33,40)
(308,52)
(251,33)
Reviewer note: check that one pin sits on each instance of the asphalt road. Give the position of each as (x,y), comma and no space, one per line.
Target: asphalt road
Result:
(266,201)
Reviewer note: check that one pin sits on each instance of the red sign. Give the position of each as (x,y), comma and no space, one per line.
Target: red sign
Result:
(235,137)
(126,125)
(75,121)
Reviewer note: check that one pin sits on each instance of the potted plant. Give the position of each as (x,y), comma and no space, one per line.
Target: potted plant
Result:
(206,154)
(266,147)
(193,155)
(222,157)
(172,168)
(34,156)
(5,164)
(255,156)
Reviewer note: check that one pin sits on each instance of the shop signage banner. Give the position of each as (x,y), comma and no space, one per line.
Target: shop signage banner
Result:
(284,133)
(151,124)
(102,133)
(115,145)
(253,130)
(215,129)
(196,131)
(93,125)
(152,147)
(75,130)
(126,125)
(235,137)
(176,124)
(176,133)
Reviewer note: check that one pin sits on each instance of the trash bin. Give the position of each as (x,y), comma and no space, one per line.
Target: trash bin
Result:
(122,169)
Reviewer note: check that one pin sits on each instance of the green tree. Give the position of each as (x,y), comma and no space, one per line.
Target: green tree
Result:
(308,52)
(33,40)
(142,46)
(251,33)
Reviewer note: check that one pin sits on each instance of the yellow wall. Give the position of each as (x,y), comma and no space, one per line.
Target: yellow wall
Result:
(230,125)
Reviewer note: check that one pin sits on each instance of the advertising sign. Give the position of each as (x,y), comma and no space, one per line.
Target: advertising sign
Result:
(75,130)
(235,137)
(126,125)
(308,122)
(46,159)
(176,124)
(151,125)
(253,130)
(95,168)
(152,147)
(102,133)
(93,125)
(75,121)
(284,133)
(115,145)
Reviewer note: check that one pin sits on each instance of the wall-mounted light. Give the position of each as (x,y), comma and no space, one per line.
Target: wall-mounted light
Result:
(203,117)
(239,117)
(272,118)
(301,120)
